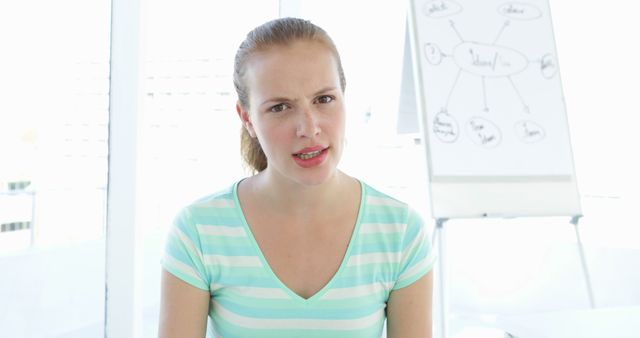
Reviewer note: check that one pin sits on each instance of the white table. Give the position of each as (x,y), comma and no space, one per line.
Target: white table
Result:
(623,322)
(596,323)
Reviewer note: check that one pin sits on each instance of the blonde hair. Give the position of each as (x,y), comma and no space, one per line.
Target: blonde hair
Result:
(276,32)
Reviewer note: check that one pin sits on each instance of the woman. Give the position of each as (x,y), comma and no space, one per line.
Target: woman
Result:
(300,249)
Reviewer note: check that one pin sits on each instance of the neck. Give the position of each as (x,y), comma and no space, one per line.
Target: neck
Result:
(299,200)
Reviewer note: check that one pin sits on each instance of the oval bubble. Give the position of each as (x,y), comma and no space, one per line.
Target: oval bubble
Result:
(432,53)
(519,11)
(548,66)
(445,127)
(441,8)
(529,131)
(489,60)
(483,132)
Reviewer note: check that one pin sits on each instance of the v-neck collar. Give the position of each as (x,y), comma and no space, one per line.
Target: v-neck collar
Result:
(267,266)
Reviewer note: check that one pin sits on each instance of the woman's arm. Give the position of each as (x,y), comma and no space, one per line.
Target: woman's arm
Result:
(409,310)
(183,309)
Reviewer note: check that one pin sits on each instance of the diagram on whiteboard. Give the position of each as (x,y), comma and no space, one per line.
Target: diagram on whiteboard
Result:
(491,83)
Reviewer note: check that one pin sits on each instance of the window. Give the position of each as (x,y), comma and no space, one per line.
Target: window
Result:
(53,120)
(53,168)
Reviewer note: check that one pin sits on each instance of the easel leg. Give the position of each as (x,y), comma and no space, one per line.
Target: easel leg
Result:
(439,237)
(583,260)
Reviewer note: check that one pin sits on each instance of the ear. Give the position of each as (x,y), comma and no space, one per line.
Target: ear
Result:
(245,117)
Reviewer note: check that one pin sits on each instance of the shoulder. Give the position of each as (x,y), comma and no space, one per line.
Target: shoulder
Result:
(398,233)
(385,213)
(219,199)
(217,206)
(386,207)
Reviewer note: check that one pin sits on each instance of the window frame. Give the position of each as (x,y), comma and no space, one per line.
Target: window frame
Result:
(123,279)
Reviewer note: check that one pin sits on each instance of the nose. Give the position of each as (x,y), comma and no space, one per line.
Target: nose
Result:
(308,124)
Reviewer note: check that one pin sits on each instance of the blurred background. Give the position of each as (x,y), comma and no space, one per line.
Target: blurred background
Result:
(54,154)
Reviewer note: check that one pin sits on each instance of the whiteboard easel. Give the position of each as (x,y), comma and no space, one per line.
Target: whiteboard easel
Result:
(491,111)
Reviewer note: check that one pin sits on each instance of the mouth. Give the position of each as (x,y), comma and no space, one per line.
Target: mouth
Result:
(306,156)
(309,153)
(311,157)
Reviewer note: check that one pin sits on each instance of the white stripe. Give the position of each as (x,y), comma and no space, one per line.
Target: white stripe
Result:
(357,291)
(293,323)
(233,261)
(382,228)
(418,241)
(254,292)
(374,258)
(417,267)
(221,230)
(184,268)
(220,203)
(384,201)
(184,239)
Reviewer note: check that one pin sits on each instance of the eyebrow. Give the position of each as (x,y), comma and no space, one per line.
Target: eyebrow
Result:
(324,90)
(274,99)
(282,98)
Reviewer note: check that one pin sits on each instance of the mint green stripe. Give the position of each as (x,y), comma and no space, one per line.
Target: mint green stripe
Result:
(186,278)
(349,306)
(300,311)
(385,239)
(229,330)
(227,241)
(228,250)
(413,278)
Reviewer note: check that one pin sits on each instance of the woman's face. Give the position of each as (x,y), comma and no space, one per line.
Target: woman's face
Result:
(296,110)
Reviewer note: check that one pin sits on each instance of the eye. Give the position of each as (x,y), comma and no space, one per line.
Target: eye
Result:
(325,99)
(278,108)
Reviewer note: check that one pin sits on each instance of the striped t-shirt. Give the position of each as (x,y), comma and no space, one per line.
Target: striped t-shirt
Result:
(212,248)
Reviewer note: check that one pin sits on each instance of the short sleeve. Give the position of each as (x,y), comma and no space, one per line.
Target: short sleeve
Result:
(183,254)
(417,255)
